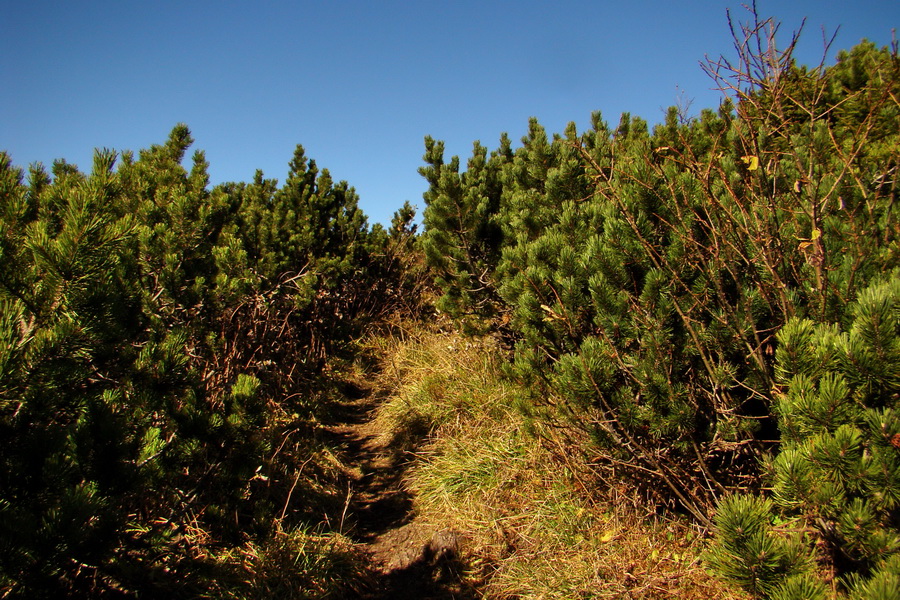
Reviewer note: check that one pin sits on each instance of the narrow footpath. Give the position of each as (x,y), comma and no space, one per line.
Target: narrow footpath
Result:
(410,560)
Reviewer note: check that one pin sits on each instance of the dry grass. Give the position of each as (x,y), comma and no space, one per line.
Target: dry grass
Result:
(533,526)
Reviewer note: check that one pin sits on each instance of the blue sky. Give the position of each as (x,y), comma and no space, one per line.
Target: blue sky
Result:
(360,83)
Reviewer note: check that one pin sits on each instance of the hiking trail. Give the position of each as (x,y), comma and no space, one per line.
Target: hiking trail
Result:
(410,559)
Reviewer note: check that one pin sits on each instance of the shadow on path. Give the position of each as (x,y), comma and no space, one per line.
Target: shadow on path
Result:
(409,560)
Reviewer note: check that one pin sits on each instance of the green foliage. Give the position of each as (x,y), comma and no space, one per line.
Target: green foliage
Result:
(751,554)
(152,332)
(644,273)
(462,233)
(883,583)
(837,474)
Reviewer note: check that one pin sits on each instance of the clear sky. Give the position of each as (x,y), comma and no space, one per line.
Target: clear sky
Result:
(360,83)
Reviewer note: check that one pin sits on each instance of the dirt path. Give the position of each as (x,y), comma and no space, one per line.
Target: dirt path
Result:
(410,559)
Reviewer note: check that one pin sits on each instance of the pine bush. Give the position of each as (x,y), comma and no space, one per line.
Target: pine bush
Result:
(644,273)
(155,337)
(837,475)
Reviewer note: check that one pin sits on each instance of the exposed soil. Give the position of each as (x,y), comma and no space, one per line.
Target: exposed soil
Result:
(409,559)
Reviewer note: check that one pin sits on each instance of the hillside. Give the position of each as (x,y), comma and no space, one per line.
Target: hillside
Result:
(628,362)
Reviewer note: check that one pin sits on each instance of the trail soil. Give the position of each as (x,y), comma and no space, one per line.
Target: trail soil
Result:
(410,559)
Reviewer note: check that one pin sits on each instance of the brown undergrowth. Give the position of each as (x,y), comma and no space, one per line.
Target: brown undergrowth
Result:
(530,522)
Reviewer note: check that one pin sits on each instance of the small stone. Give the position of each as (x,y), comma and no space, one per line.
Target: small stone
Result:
(443,546)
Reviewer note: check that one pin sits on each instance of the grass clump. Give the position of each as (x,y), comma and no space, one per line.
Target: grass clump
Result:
(300,564)
(533,523)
